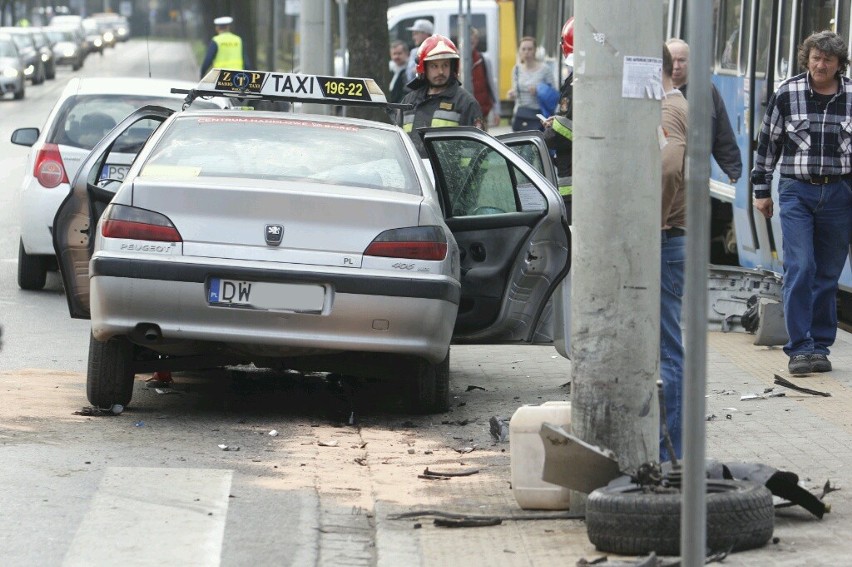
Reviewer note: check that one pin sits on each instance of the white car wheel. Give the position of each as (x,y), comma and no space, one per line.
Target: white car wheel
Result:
(32,270)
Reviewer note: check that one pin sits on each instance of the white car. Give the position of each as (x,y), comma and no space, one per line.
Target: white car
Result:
(86,111)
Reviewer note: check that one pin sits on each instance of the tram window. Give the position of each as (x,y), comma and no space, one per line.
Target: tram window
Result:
(817,15)
(763,27)
(783,69)
(728,44)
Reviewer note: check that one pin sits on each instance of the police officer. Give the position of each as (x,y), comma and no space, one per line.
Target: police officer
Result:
(436,93)
(558,129)
(226,49)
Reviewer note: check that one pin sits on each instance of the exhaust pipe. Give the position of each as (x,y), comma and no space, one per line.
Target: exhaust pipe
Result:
(149,331)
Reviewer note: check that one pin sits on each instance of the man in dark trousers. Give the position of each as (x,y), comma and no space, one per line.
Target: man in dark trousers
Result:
(399,61)
(436,93)
(807,133)
(725,150)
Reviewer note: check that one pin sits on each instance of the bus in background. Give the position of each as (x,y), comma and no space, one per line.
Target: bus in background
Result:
(755,49)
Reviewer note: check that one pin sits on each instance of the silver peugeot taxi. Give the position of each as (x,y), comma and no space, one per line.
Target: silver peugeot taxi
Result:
(307,241)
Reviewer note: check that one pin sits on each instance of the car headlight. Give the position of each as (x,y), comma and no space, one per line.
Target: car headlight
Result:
(10,72)
(108,36)
(98,42)
(29,70)
(45,57)
(69,52)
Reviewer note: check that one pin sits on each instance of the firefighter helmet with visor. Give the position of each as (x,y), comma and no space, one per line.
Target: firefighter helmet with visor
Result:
(437,47)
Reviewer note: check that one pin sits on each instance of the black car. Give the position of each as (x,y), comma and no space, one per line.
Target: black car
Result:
(34,68)
(45,47)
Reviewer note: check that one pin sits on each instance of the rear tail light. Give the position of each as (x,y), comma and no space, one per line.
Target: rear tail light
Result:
(49,169)
(121,221)
(415,243)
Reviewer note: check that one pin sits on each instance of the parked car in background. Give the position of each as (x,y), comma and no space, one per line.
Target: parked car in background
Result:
(29,52)
(86,110)
(45,47)
(74,22)
(67,47)
(94,35)
(11,68)
(114,24)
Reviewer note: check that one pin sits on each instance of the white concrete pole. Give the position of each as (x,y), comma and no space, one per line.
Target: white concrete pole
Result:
(312,48)
(615,303)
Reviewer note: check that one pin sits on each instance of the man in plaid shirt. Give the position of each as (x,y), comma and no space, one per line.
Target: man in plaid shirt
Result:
(807,130)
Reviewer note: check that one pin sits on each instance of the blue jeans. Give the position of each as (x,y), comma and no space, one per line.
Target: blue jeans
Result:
(816,221)
(672,260)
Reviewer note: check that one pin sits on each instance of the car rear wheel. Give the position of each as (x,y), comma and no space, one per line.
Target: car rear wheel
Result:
(110,376)
(430,386)
(32,270)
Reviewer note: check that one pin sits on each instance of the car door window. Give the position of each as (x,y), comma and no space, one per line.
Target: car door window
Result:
(482,182)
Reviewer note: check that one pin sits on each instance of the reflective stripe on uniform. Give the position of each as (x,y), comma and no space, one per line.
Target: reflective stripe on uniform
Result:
(408,122)
(564,127)
(443,118)
(229,52)
(565,184)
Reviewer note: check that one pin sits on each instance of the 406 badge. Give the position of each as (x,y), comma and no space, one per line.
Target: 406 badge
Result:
(240,81)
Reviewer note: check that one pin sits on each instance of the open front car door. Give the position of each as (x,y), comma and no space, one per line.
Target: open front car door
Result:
(510,226)
(99,177)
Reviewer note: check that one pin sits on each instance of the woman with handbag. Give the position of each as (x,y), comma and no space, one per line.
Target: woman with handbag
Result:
(527,75)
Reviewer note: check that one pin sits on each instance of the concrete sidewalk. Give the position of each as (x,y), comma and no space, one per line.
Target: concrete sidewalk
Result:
(804,434)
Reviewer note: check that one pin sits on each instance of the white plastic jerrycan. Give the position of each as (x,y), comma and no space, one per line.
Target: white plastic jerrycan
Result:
(527,456)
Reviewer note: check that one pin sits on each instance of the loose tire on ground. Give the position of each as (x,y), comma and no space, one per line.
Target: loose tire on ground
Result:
(110,375)
(430,386)
(630,521)
(32,270)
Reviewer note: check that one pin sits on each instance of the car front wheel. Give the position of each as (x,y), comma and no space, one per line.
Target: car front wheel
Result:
(32,270)
(429,387)
(110,375)
(19,94)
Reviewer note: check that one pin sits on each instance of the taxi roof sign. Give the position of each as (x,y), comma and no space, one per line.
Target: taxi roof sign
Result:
(290,87)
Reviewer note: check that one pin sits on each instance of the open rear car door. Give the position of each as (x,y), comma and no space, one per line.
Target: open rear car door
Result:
(91,191)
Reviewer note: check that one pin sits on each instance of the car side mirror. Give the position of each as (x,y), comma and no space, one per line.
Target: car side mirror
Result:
(25,136)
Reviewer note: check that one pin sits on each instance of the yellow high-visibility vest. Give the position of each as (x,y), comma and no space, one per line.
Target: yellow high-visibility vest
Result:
(229,54)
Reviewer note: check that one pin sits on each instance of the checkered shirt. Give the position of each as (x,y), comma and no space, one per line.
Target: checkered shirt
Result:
(808,143)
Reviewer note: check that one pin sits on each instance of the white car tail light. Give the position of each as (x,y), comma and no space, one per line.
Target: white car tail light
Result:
(49,169)
(415,243)
(131,223)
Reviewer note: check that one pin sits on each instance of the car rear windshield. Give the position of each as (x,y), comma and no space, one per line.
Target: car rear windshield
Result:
(84,120)
(302,150)
(57,36)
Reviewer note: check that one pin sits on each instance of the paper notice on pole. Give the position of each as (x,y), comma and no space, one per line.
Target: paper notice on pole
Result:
(642,77)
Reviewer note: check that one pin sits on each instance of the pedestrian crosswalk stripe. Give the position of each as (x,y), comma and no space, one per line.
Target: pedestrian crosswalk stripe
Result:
(154,516)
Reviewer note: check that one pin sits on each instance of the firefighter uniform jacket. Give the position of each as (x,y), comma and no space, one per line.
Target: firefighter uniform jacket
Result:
(454,106)
(560,138)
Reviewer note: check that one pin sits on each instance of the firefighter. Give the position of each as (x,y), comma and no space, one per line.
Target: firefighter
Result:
(558,129)
(226,49)
(436,92)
